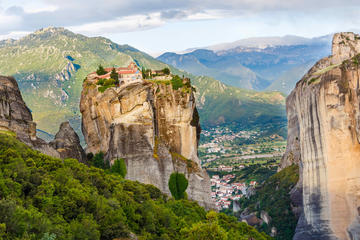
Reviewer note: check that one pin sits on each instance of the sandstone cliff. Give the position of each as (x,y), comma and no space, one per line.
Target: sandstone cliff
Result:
(324,139)
(67,143)
(16,117)
(153,127)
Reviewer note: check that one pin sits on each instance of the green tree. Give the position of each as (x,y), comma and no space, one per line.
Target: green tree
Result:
(206,230)
(178,185)
(85,229)
(119,167)
(101,70)
(2,230)
(143,72)
(114,75)
(166,71)
(99,162)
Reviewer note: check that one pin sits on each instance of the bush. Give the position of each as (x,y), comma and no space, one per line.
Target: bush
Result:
(176,82)
(101,71)
(178,185)
(106,83)
(109,82)
(119,167)
(101,82)
(103,88)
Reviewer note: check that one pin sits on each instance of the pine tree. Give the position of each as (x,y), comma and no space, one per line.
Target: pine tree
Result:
(114,75)
(101,71)
(178,185)
(119,167)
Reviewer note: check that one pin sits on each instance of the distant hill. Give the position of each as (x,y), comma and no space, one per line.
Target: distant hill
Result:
(286,82)
(51,63)
(254,63)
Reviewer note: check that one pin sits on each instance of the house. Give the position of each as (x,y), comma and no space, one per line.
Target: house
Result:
(129,74)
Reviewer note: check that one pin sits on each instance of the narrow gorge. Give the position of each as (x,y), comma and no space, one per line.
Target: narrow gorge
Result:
(324,139)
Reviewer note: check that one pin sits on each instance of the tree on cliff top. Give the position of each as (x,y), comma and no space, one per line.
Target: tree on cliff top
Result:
(114,75)
(101,71)
(178,185)
(166,71)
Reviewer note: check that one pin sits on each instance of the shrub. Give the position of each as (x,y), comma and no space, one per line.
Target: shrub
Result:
(176,82)
(101,71)
(119,167)
(109,82)
(178,185)
(103,88)
(101,82)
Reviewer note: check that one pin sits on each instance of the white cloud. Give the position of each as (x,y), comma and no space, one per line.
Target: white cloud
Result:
(117,16)
(123,24)
(34,10)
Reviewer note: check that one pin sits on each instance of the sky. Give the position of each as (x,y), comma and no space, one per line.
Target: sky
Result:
(157,26)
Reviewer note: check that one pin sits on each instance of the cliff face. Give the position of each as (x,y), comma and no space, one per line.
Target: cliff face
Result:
(153,127)
(324,139)
(15,116)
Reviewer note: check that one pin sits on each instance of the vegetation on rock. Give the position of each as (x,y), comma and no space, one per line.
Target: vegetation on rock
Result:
(176,82)
(106,83)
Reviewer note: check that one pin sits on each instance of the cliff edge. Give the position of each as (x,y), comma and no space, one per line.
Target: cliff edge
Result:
(153,125)
(324,139)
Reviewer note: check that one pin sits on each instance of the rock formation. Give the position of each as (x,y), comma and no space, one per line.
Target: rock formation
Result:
(153,127)
(324,139)
(67,143)
(16,117)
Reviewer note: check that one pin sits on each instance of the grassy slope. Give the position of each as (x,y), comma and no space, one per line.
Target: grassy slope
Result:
(44,54)
(63,199)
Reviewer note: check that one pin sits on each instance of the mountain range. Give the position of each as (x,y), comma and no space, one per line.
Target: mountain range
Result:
(51,64)
(267,63)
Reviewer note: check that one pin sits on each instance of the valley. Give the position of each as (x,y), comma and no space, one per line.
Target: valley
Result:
(221,146)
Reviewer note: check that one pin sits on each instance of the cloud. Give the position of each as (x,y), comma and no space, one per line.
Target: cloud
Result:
(124,24)
(95,17)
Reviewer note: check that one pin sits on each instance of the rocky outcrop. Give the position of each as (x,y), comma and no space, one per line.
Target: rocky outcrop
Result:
(153,127)
(67,143)
(324,139)
(16,117)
